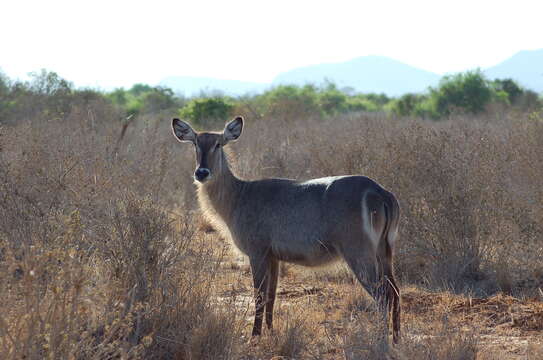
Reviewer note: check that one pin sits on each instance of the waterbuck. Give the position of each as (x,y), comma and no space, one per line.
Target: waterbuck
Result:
(309,223)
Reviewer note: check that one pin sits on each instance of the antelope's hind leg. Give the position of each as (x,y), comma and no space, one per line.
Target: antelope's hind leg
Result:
(360,250)
(393,298)
(396,312)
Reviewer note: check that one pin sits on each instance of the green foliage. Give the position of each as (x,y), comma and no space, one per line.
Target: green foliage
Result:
(358,103)
(142,98)
(45,94)
(159,99)
(54,93)
(207,109)
(418,105)
(501,97)
(468,92)
(292,102)
(427,108)
(509,92)
(530,100)
(405,105)
(287,101)
(133,106)
(5,102)
(4,84)
(378,99)
(465,92)
(118,96)
(140,89)
(362,102)
(508,89)
(51,96)
(49,83)
(331,100)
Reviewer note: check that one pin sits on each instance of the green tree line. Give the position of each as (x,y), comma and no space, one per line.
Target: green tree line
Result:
(471,92)
(468,92)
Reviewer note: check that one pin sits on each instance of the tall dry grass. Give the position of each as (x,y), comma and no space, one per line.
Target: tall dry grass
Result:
(470,189)
(100,256)
(94,261)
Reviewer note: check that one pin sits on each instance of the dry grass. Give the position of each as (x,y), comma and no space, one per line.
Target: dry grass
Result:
(103,255)
(470,189)
(291,338)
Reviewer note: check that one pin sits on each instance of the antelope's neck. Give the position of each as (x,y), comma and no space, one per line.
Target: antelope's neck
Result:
(221,195)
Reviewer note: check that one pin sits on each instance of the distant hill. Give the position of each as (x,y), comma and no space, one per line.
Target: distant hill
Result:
(367,74)
(376,74)
(190,86)
(526,67)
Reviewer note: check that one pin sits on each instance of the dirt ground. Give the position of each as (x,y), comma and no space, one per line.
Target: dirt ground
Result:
(324,301)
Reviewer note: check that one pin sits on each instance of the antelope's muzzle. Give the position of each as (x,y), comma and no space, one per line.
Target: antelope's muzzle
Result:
(202,174)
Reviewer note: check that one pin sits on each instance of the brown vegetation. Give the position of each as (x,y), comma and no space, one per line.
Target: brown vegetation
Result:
(102,253)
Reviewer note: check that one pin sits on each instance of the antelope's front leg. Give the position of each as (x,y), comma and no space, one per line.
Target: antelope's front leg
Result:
(260,267)
(273,274)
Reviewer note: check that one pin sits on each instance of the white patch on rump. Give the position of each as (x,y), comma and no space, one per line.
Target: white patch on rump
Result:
(391,238)
(367,223)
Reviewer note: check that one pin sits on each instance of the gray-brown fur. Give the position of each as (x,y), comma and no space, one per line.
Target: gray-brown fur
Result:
(309,223)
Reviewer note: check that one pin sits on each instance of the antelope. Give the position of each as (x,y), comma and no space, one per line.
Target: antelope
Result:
(310,223)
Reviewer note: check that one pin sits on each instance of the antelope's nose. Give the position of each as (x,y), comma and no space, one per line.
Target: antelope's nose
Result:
(201,174)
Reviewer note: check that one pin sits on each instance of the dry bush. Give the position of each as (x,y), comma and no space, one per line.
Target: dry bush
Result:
(449,344)
(535,351)
(367,339)
(214,339)
(367,336)
(92,264)
(469,188)
(292,336)
(100,255)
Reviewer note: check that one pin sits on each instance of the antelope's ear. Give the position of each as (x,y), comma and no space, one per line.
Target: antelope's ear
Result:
(232,130)
(183,131)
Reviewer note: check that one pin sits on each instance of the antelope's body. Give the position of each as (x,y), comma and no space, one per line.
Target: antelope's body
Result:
(309,223)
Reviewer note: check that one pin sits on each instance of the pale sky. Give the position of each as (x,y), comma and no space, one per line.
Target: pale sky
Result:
(119,43)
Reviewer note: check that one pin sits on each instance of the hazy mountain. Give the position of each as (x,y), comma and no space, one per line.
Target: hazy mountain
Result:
(189,85)
(376,74)
(526,67)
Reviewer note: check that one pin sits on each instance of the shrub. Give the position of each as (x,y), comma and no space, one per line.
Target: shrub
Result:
(331,101)
(290,102)
(99,257)
(5,102)
(452,178)
(144,99)
(509,88)
(407,104)
(468,92)
(200,111)
(159,99)
(364,102)
(464,92)
(91,264)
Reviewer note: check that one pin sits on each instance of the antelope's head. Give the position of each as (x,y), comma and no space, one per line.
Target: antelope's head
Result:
(210,158)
